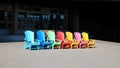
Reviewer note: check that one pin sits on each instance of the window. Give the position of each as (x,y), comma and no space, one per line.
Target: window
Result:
(36,17)
(5,19)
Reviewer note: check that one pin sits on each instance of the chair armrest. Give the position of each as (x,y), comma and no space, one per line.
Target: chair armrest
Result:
(58,40)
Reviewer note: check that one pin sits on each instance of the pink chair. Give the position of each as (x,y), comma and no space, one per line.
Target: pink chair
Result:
(77,37)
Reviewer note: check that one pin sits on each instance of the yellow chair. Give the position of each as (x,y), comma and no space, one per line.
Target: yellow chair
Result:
(90,43)
(69,37)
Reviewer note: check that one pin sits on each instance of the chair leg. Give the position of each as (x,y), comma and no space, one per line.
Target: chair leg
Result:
(71,46)
(62,46)
(52,46)
(79,46)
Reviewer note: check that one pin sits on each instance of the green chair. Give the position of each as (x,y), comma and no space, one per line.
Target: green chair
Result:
(51,37)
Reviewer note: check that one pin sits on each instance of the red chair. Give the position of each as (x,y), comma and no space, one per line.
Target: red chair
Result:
(64,43)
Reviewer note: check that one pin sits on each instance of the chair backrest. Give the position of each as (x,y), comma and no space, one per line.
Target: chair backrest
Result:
(60,35)
(77,36)
(51,35)
(69,36)
(85,36)
(40,35)
(29,36)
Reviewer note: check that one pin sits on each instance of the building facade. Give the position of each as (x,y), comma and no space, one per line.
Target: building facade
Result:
(15,18)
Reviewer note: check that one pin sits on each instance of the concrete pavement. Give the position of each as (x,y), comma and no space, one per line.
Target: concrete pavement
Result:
(105,55)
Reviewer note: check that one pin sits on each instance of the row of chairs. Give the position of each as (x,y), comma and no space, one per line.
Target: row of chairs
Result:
(59,39)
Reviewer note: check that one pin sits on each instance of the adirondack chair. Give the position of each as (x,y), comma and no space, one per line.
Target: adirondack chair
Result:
(41,37)
(69,37)
(51,37)
(29,41)
(90,43)
(77,37)
(61,36)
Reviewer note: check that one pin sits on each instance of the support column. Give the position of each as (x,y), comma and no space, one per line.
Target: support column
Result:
(76,19)
(70,20)
(15,18)
(66,21)
(73,19)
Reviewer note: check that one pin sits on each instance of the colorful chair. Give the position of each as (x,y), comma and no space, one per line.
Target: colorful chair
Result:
(51,37)
(85,37)
(69,37)
(64,43)
(29,42)
(44,43)
(77,37)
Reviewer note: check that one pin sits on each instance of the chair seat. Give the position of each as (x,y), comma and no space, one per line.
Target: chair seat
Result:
(46,43)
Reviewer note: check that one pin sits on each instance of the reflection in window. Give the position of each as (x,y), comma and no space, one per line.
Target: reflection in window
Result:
(5,13)
(54,16)
(62,17)
(43,16)
(40,21)
(49,17)
(20,16)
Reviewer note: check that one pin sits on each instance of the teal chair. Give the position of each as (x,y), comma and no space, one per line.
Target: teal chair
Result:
(29,42)
(51,37)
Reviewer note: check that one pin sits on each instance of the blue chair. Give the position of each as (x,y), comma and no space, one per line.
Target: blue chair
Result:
(41,37)
(29,42)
